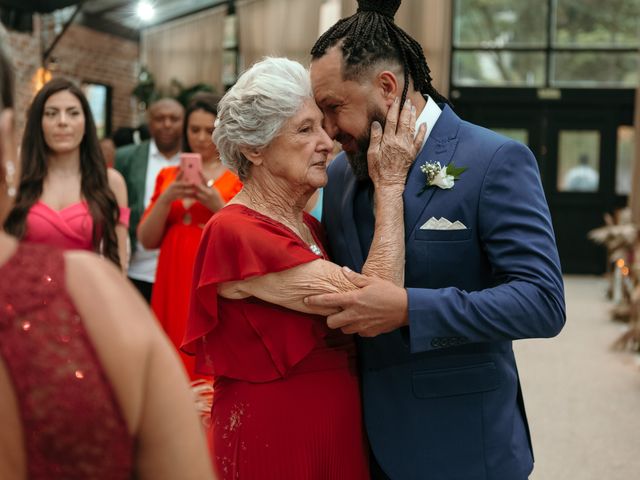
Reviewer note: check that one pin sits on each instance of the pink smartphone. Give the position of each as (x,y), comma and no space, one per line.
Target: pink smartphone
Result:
(191,167)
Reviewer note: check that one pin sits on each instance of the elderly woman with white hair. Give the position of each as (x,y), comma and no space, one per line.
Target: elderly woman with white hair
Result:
(286,403)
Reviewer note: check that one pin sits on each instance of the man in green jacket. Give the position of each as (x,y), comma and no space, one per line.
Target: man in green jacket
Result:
(140,164)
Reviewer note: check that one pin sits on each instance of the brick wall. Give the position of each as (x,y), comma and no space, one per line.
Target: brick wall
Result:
(25,50)
(82,55)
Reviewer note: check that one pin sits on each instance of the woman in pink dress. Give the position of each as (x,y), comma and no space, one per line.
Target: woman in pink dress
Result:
(89,386)
(67,197)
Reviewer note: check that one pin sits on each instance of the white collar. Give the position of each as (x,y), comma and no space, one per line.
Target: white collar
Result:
(429,115)
(153,149)
(155,153)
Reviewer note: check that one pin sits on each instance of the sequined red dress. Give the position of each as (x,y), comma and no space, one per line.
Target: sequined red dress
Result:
(286,403)
(72,424)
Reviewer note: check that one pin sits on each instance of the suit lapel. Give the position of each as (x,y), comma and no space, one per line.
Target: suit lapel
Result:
(141,163)
(439,147)
(349,231)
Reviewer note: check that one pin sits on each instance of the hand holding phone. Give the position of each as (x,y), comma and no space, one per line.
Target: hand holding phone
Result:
(191,167)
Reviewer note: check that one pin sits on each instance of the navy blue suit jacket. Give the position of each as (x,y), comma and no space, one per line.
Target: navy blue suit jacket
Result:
(442,398)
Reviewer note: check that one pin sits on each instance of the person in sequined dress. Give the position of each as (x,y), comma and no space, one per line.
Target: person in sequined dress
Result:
(89,386)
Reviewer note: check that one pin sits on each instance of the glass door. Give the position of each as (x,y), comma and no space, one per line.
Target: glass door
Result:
(585,149)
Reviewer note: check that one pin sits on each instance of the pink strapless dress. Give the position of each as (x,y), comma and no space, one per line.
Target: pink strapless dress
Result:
(68,229)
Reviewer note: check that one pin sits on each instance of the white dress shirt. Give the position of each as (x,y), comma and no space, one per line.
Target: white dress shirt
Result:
(144,262)
(429,115)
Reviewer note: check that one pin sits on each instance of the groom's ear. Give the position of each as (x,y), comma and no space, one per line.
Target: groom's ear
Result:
(386,82)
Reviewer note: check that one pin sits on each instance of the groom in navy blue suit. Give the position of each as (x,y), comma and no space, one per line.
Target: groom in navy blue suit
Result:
(441,392)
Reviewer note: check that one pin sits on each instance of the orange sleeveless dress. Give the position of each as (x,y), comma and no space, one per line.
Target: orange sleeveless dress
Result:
(183,229)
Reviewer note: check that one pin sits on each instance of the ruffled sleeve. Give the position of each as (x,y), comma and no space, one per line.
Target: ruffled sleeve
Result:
(237,245)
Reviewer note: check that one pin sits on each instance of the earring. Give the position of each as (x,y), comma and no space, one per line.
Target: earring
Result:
(10,177)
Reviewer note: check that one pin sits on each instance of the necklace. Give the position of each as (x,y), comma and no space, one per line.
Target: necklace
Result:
(252,205)
(311,244)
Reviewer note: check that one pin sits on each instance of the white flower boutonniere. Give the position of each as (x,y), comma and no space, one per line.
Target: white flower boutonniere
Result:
(439,176)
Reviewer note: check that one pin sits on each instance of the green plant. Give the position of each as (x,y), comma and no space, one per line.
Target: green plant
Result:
(146,92)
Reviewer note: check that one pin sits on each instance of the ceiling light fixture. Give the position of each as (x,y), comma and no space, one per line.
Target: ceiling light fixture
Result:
(145,11)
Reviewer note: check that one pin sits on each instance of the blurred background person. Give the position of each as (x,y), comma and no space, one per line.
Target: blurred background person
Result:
(108,148)
(140,164)
(583,177)
(177,214)
(89,386)
(314,205)
(67,197)
(128,135)
(123,136)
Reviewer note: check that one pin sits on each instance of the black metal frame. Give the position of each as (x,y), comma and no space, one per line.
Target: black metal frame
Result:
(109,103)
(548,50)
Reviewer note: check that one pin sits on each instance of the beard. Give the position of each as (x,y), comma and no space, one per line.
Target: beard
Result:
(358,160)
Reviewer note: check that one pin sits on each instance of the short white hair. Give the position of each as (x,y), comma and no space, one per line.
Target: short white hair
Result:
(252,112)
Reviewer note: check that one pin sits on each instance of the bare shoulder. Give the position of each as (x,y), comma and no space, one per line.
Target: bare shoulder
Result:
(119,324)
(143,368)
(118,185)
(105,299)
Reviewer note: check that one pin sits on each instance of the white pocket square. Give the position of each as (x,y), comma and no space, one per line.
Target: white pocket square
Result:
(442,224)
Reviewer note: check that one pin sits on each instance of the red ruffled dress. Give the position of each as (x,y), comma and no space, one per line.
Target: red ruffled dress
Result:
(287,400)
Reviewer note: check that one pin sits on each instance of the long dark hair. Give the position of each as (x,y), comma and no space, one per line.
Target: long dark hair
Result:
(200,101)
(94,185)
(369,36)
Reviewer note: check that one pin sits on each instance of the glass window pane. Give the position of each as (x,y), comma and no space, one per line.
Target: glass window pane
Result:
(507,69)
(595,69)
(624,162)
(594,23)
(518,134)
(97,96)
(500,23)
(578,161)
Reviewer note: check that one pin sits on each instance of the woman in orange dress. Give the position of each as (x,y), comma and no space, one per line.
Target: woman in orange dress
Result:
(176,216)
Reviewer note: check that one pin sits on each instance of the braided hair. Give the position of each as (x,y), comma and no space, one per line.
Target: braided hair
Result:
(371,36)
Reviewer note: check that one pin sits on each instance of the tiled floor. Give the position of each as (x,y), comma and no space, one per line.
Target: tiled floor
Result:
(582,398)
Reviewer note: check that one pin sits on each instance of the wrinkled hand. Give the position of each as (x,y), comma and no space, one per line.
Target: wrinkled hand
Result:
(208,196)
(392,152)
(378,306)
(178,189)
